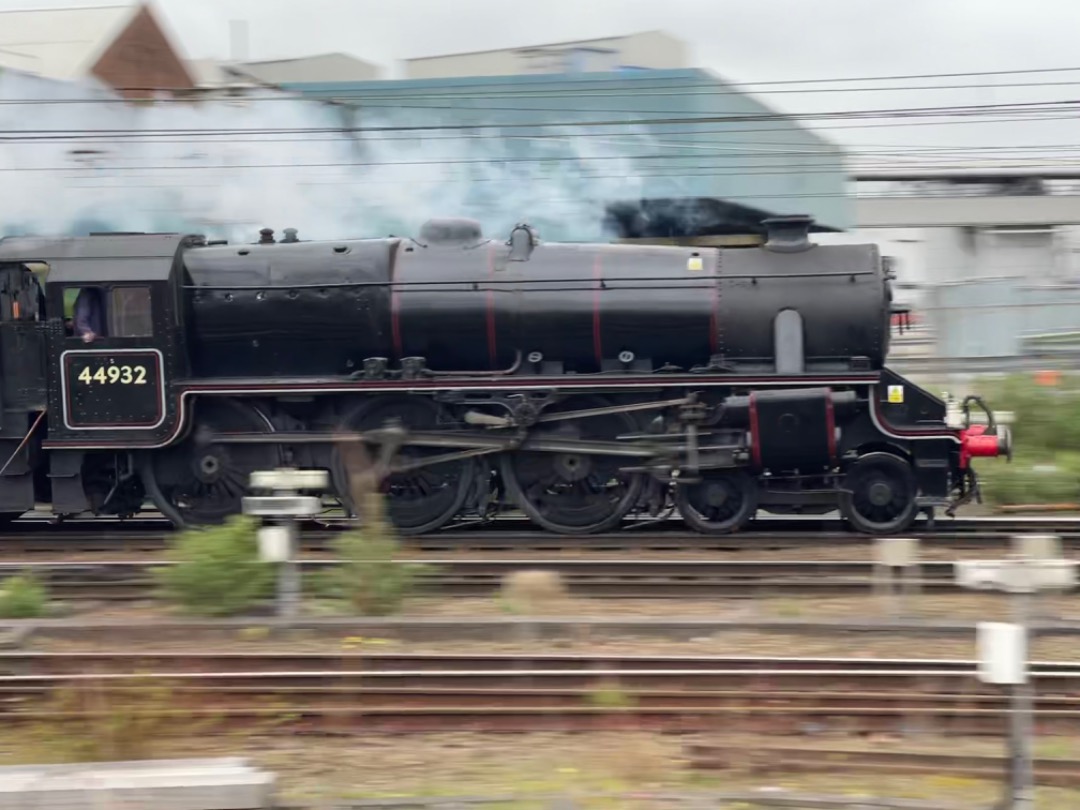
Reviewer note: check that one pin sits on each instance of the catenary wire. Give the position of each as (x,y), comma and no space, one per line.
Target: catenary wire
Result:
(1028,109)
(605,82)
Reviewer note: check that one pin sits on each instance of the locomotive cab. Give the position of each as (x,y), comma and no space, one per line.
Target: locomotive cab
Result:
(22,374)
(104,338)
(115,338)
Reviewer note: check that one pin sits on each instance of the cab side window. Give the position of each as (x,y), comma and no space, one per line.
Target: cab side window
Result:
(85,313)
(129,312)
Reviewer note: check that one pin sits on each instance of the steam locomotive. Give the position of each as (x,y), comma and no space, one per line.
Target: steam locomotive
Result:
(578,383)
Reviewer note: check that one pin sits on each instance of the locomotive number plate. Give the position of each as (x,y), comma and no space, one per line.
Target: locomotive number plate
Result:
(118,389)
(113,374)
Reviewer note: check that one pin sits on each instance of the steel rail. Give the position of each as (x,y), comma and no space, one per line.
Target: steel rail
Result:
(896,694)
(120,580)
(44,522)
(789,759)
(369,661)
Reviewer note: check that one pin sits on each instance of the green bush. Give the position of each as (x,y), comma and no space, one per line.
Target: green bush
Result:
(1046,423)
(1045,417)
(23,597)
(370,578)
(1033,477)
(217,571)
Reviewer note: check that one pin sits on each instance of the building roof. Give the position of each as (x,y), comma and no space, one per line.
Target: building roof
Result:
(60,43)
(210,74)
(324,67)
(535,46)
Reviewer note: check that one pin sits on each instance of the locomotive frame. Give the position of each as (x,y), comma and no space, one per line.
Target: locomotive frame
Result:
(102,427)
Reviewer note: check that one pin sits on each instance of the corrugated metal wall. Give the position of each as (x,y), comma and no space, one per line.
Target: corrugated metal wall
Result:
(992,317)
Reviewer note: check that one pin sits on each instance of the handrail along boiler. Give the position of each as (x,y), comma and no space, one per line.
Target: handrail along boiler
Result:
(580,383)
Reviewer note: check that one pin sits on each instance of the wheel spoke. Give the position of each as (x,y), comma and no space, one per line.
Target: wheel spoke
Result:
(419,500)
(570,492)
(879,494)
(698,503)
(193,491)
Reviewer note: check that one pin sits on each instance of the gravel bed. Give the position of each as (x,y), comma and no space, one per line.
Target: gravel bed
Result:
(960,606)
(887,644)
(385,766)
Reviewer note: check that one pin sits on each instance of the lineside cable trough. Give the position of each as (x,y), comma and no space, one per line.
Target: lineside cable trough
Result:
(226,783)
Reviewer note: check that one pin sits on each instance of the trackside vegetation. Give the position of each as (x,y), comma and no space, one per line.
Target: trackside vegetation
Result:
(217,570)
(1046,437)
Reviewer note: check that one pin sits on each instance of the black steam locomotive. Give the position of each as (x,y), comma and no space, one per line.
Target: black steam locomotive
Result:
(578,383)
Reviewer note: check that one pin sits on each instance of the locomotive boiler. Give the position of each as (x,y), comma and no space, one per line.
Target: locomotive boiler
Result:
(462,302)
(580,384)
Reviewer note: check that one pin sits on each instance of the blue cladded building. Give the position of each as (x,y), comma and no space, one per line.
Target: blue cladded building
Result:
(564,151)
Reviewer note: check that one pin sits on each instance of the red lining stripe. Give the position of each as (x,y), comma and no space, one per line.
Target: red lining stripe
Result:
(908,432)
(714,315)
(755,433)
(597,341)
(830,425)
(395,308)
(493,348)
(185,387)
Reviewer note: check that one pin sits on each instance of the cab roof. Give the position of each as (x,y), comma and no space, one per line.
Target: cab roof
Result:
(99,259)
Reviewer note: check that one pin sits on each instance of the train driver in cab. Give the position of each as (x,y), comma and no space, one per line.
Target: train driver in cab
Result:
(90,314)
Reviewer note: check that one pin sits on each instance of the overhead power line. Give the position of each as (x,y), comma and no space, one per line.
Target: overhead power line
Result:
(586,85)
(1029,110)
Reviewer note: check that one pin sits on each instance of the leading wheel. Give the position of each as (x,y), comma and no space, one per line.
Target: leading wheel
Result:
(198,482)
(574,493)
(423,498)
(722,501)
(879,494)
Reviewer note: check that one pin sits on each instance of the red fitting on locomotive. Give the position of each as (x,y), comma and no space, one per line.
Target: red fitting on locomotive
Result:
(975,442)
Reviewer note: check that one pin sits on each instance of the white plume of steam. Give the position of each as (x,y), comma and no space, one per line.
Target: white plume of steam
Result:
(92,162)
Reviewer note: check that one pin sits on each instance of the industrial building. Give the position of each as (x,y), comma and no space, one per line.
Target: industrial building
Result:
(124,47)
(990,259)
(648,50)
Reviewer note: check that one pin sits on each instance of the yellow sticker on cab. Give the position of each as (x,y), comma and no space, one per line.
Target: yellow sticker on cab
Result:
(694,263)
(896,394)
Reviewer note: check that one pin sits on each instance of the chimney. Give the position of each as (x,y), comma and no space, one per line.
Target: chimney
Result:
(788,234)
(239,40)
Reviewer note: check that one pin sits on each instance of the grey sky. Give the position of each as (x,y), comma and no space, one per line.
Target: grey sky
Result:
(767,39)
(745,42)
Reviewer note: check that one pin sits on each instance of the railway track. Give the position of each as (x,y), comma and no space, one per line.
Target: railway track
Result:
(777,760)
(528,692)
(22,662)
(40,535)
(96,545)
(114,563)
(125,580)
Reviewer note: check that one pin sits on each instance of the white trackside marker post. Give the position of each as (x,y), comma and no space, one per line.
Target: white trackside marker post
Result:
(1003,646)
(278,541)
(1039,547)
(896,557)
